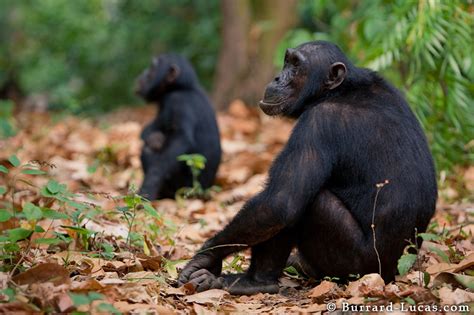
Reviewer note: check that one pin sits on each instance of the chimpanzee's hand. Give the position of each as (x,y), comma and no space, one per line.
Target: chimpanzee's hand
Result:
(155,141)
(203,280)
(200,261)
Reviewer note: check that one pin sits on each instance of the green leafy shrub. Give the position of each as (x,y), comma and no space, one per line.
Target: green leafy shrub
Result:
(56,202)
(196,163)
(90,63)
(7,121)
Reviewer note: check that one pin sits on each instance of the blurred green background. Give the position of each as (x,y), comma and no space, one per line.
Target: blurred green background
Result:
(83,56)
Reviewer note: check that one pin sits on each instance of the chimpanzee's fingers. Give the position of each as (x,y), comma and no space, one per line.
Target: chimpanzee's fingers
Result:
(218,283)
(201,283)
(204,280)
(200,273)
(185,274)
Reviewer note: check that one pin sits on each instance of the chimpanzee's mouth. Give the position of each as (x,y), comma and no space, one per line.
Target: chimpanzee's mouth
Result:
(272,109)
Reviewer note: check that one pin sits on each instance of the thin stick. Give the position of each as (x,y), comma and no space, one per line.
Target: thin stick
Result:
(223,245)
(379,188)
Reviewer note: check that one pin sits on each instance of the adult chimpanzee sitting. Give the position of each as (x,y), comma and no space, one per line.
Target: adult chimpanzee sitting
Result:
(354,131)
(185,124)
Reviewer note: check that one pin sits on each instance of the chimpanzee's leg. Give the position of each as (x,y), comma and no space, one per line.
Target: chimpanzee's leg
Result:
(266,266)
(332,243)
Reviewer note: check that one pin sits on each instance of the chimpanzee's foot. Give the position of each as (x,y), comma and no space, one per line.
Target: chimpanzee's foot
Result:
(237,284)
(242,284)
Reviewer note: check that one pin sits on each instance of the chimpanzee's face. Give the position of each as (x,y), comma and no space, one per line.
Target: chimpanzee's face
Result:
(287,86)
(310,71)
(156,78)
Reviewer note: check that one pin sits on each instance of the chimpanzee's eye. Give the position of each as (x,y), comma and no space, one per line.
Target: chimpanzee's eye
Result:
(295,61)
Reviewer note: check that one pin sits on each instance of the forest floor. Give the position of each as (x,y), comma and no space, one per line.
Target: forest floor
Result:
(92,246)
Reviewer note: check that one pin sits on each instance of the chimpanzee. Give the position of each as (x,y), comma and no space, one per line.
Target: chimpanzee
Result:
(186,123)
(354,131)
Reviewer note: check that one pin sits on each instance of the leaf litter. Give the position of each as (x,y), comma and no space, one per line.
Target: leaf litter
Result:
(98,160)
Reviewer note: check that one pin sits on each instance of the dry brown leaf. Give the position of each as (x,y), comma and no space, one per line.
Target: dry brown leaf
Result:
(141,277)
(110,281)
(48,272)
(369,285)
(154,252)
(446,267)
(453,279)
(325,290)
(192,232)
(441,267)
(199,309)
(107,228)
(314,308)
(458,296)
(189,288)
(207,297)
(151,263)
(174,291)
(466,263)
(64,303)
(469,179)
(88,285)
(391,290)
(249,142)
(419,294)
(3,280)
(195,205)
(136,293)
(356,300)
(142,308)
(17,308)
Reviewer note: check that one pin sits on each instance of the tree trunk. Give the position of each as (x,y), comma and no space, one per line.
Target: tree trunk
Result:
(251,31)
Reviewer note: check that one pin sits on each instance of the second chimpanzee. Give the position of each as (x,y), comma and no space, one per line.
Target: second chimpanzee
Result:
(185,124)
(354,131)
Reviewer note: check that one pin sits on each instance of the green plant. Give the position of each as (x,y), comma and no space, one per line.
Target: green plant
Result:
(410,256)
(10,238)
(196,163)
(133,204)
(86,299)
(292,272)
(7,121)
(78,213)
(332,279)
(236,264)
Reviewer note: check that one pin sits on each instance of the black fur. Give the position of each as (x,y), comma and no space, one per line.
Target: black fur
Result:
(185,124)
(354,131)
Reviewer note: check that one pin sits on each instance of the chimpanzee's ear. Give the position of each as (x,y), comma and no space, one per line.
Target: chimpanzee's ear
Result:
(173,73)
(337,74)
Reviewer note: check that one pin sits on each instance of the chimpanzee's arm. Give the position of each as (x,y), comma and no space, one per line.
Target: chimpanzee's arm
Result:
(179,141)
(295,178)
(148,130)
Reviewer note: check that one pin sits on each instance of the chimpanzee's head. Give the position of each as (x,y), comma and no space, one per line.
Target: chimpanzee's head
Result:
(311,71)
(166,72)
